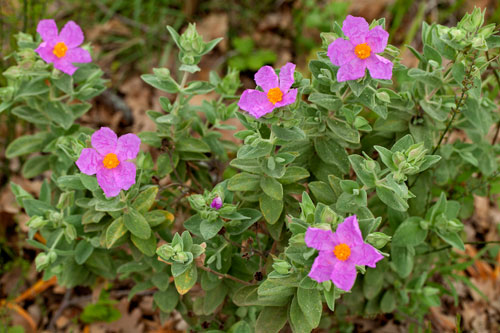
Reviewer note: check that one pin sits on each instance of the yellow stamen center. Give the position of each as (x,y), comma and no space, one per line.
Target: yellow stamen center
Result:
(342,252)
(274,95)
(110,161)
(362,50)
(60,50)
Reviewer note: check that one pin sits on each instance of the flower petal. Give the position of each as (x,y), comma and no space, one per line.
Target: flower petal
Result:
(365,254)
(255,102)
(341,52)
(289,98)
(124,175)
(355,28)
(320,239)
(266,78)
(128,147)
(47,29)
(71,34)
(106,180)
(348,232)
(46,51)
(352,70)
(104,141)
(65,66)
(322,267)
(379,67)
(78,55)
(377,39)
(343,275)
(89,161)
(286,77)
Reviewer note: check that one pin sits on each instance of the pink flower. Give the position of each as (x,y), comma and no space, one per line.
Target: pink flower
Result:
(62,49)
(108,159)
(339,253)
(359,52)
(276,94)
(216,203)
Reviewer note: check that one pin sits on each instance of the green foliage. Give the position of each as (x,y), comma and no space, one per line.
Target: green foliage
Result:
(376,149)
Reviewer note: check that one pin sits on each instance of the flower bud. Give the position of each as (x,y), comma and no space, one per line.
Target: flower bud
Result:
(398,158)
(181,257)
(479,43)
(165,251)
(329,216)
(456,34)
(370,165)
(42,261)
(197,201)
(216,203)
(36,222)
(378,239)
(281,267)
(162,73)
(454,225)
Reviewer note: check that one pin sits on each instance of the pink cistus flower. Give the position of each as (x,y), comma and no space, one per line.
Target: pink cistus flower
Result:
(61,49)
(339,253)
(216,203)
(359,52)
(109,160)
(277,92)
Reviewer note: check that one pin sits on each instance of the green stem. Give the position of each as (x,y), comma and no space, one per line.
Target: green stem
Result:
(449,246)
(56,241)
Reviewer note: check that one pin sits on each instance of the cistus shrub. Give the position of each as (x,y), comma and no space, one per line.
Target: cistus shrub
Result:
(345,193)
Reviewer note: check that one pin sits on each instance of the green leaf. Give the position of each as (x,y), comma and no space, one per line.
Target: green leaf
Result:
(210,228)
(83,250)
(31,115)
(89,182)
(260,149)
(166,300)
(388,302)
(343,130)
(368,178)
(70,182)
(145,200)
(453,239)
(293,174)
(272,187)
(27,144)
(409,233)
(288,134)
(115,231)
(298,319)
(146,246)
(169,86)
(271,319)
(310,303)
(161,280)
(248,296)
(100,312)
(373,282)
(270,208)
(213,298)
(327,101)
(192,145)
(322,192)
(331,152)
(36,165)
(240,327)
(402,259)
(186,281)
(136,223)
(244,182)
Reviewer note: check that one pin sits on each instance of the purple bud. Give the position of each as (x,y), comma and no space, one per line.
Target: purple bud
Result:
(216,203)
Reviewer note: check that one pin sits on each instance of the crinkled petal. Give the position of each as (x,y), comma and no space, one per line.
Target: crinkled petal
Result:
(255,102)
(78,55)
(352,70)
(124,175)
(365,254)
(341,52)
(320,239)
(128,147)
(343,275)
(47,29)
(289,98)
(104,141)
(46,51)
(348,232)
(266,78)
(286,77)
(355,28)
(89,161)
(322,268)
(71,34)
(377,39)
(65,66)
(379,67)
(106,180)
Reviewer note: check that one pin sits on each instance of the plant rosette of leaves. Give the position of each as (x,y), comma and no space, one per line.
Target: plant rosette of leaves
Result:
(359,134)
